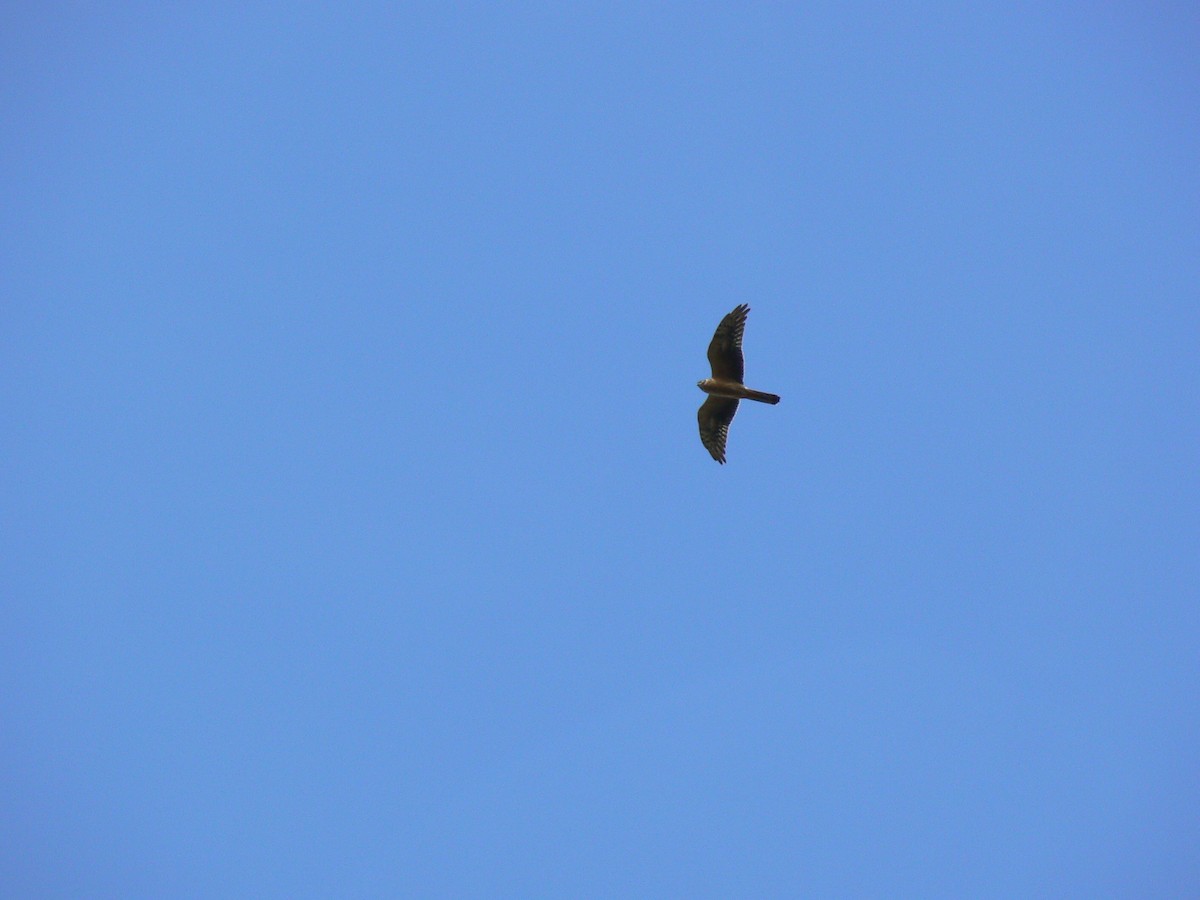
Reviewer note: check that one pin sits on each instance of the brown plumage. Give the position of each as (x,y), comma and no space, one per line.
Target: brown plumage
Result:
(725,388)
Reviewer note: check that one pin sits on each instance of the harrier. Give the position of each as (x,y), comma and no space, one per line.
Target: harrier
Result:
(725,388)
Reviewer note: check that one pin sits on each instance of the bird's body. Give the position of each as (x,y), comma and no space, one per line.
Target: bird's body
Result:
(734,391)
(725,388)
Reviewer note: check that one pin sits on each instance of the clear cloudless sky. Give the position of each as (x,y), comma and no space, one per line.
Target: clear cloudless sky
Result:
(359,541)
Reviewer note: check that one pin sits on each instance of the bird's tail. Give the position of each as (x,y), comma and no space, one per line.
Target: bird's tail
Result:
(761,397)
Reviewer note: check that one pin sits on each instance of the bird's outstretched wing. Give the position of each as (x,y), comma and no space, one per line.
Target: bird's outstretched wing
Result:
(725,351)
(715,415)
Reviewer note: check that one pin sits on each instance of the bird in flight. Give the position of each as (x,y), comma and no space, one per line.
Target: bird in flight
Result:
(725,388)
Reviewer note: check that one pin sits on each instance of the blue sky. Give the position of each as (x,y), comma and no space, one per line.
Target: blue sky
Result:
(360,540)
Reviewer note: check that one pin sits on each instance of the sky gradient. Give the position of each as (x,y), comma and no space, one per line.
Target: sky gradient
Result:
(360,539)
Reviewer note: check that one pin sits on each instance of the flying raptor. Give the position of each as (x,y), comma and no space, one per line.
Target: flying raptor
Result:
(725,388)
